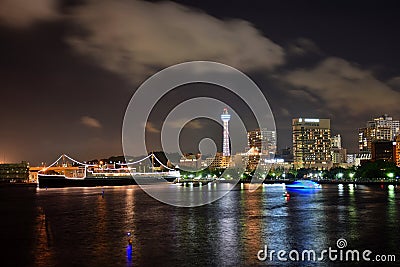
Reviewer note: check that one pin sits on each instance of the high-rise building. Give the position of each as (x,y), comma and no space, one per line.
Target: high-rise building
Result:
(14,172)
(263,141)
(383,150)
(271,143)
(311,142)
(225,117)
(387,121)
(350,158)
(338,153)
(383,128)
(219,161)
(337,141)
(397,153)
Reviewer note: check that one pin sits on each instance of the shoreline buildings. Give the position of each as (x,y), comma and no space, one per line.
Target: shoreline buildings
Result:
(14,172)
(261,147)
(377,141)
(382,128)
(397,153)
(338,153)
(311,143)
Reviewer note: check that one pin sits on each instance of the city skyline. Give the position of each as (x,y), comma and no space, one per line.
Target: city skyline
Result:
(313,145)
(67,76)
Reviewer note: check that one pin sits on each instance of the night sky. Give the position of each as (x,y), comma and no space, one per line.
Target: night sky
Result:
(69,68)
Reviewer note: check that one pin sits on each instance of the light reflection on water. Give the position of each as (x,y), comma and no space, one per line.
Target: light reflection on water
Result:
(84,227)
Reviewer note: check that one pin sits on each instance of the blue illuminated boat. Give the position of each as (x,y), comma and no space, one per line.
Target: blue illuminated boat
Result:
(303,184)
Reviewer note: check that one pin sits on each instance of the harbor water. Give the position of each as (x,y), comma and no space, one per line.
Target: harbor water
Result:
(93,226)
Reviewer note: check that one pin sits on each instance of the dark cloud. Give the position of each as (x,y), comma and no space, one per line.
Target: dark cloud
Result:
(131,37)
(303,46)
(62,61)
(394,83)
(343,86)
(22,14)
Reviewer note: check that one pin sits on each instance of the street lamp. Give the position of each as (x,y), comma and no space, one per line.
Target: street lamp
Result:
(390,175)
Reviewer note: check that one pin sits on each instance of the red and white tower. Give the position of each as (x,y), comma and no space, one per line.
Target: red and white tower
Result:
(225,117)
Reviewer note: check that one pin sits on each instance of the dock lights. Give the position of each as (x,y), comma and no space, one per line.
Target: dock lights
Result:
(129,238)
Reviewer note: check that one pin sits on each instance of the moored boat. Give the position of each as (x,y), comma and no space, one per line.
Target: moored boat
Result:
(303,184)
(86,175)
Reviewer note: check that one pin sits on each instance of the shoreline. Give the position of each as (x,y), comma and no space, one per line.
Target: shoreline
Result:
(322,182)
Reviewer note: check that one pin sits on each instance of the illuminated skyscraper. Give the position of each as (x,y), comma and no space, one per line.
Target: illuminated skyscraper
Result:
(263,141)
(383,128)
(336,141)
(225,117)
(397,154)
(311,142)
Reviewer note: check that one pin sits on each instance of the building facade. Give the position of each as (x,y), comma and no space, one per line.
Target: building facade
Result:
(337,141)
(218,162)
(382,128)
(338,153)
(387,121)
(383,150)
(14,172)
(311,143)
(397,153)
(190,162)
(263,141)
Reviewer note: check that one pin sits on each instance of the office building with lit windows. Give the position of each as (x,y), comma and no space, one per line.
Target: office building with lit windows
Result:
(397,150)
(311,143)
(262,141)
(380,129)
(387,121)
(338,153)
(14,172)
(261,147)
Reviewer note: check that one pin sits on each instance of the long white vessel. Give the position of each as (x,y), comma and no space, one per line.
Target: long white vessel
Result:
(92,175)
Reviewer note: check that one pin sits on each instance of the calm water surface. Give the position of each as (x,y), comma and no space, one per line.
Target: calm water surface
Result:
(83,227)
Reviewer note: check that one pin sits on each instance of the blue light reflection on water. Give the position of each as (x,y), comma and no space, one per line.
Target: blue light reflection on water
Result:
(129,253)
(304,191)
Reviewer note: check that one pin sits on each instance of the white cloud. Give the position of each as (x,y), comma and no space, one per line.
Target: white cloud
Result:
(22,13)
(176,124)
(193,124)
(132,37)
(90,122)
(151,128)
(345,87)
(285,112)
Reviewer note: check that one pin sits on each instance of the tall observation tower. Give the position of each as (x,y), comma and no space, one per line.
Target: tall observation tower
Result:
(225,117)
